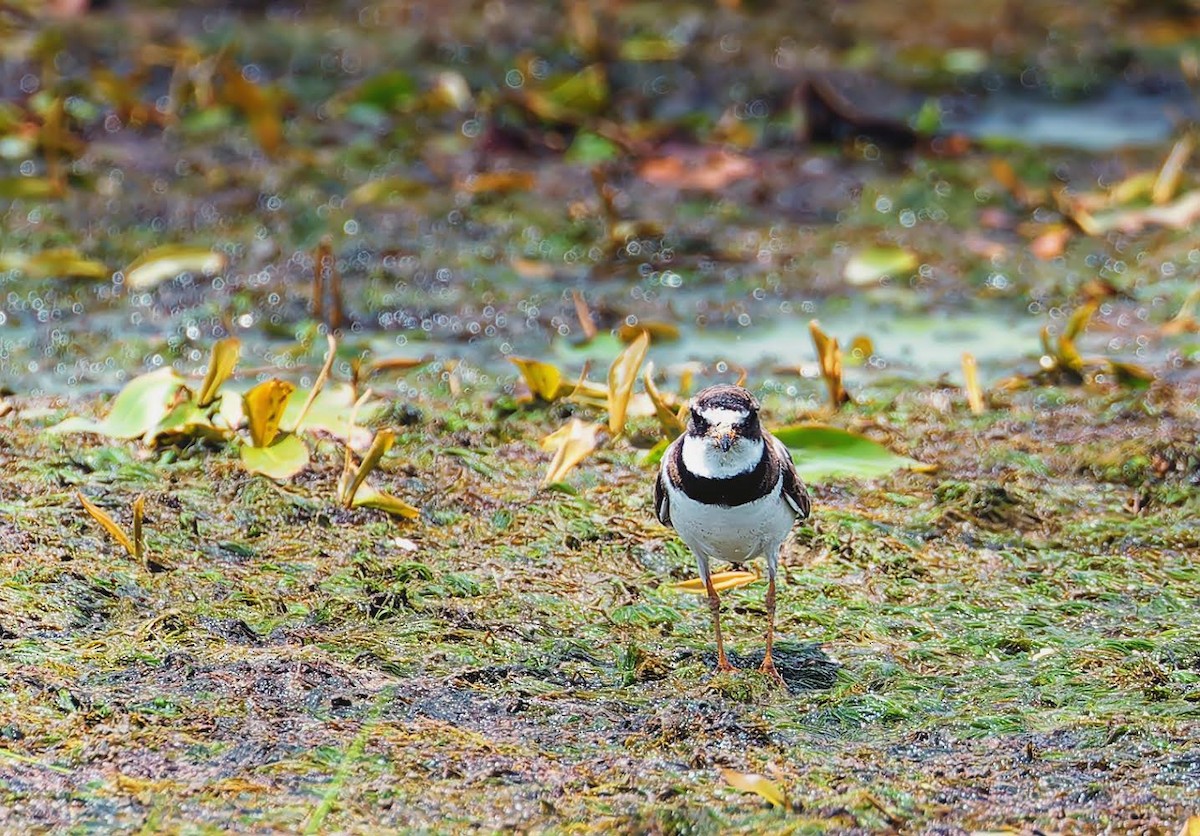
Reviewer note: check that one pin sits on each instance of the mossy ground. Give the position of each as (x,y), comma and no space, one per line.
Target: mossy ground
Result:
(998,644)
(1010,642)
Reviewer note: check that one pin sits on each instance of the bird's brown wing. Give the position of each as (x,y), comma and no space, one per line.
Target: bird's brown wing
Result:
(662,502)
(793,489)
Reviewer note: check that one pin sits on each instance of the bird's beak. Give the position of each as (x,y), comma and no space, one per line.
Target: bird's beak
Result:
(723,436)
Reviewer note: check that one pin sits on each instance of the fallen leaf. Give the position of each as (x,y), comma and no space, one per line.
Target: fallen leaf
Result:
(543,379)
(283,459)
(971,383)
(264,406)
(384,439)
(1191,827)
(757,784)
(369,497)
(137,410)
(870,265)
(1181,214)
(821,451)
(1051,243)
(571,447)
(658,331)
(712,171)
(221,364)
(621,376)
(672,422)
(109,525)
(28,188)
(829,358)
(721,582)
(498,182)
(60,263)
(1167,182)
(155,266)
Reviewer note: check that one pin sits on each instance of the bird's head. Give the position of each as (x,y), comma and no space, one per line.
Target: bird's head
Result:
(723,416)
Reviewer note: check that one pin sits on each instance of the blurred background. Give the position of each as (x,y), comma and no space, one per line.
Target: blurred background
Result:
(463,181)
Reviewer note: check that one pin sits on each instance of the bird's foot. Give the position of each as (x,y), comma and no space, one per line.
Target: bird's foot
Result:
(723,666)
(768,670)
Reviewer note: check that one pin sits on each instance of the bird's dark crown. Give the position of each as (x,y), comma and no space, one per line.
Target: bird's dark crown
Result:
(727,397)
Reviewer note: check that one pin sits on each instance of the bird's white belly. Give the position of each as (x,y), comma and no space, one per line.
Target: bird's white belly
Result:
(735,534)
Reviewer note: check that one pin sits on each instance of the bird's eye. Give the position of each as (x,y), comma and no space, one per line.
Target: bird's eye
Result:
(699,423)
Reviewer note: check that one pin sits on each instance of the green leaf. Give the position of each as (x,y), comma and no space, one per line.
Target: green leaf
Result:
(330,412)
(821,451)
(281,460)
(872,264)
(589,149)
(139,408)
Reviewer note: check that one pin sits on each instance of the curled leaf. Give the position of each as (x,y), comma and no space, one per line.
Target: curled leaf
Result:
(570,448)
(621,376)
(721,581)
(544,380)
(971,383)
(109,525)
(759,785)
(384,439)
(829,358)
(155,266)
(264,406)
(671,421)
(221,364)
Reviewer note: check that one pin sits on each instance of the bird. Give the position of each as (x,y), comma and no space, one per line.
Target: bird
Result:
(731,492)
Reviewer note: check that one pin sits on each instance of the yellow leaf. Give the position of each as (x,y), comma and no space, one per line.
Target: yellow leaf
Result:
(672,423)
(108,524)
(155,266)
(1167,182)
(621,376)
(757,784)
(971,383)
(221,364)
(1191,827)
(264,405)
(368,497)
(139,511)
(384,439)
(543,379)
(498,182)
(573,446)
(731,579)
(829,358)
(658,331)
(62,262)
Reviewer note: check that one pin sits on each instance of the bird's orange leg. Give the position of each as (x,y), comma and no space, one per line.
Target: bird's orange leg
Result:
(768,663)
(714,604)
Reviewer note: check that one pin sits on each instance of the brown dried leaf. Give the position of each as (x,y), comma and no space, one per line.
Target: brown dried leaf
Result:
(713,171)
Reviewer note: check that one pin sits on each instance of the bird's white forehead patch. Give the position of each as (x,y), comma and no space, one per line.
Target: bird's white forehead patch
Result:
(717,415)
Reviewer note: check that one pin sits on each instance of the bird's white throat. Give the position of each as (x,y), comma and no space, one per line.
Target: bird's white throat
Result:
(704,459)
